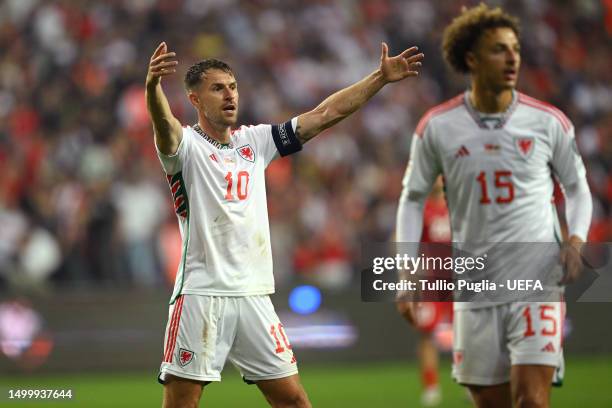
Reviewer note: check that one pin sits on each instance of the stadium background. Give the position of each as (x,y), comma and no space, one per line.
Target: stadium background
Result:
(88,239)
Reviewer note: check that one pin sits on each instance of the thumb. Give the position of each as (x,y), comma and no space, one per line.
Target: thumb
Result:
(384,51)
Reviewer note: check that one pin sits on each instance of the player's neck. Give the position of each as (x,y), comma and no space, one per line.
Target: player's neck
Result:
(487,101)
(219,133)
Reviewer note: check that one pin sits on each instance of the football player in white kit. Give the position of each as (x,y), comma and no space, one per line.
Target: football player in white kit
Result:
(220,307)
(498,151)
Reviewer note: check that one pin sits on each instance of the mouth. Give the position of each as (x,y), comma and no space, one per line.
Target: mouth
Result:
(510,74)
(230,108)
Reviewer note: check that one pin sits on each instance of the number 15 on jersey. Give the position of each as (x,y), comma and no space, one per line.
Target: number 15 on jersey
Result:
(504,189)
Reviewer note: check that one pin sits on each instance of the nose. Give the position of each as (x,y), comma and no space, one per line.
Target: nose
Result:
(229,94)
(512,57)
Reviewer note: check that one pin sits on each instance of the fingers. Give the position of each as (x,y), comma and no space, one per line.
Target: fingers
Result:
(401,66)
(161,48)
(385,51)
(407,53)
(162,57)
(572,267)
(163,68)
(161,63)
(414,58)
(414,66)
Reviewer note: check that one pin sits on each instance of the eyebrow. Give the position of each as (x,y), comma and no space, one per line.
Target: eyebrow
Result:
(515,44)
(223,84)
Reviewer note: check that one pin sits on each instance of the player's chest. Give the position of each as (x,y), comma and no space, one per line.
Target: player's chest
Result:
(229,174)
(214,162)
(481,149)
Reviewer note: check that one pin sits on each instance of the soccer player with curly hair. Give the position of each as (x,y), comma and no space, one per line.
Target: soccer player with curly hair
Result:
(499,150)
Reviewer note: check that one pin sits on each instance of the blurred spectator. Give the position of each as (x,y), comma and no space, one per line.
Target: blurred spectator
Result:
(83,200)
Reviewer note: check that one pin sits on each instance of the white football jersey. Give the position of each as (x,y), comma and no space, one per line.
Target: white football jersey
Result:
(498,172)
(220,199)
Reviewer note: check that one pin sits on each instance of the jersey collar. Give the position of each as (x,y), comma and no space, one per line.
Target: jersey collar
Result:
(478,117)
(210,140)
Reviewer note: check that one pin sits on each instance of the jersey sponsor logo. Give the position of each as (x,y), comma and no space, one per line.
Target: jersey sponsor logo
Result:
(492,148)
(525,146)
(462,151)
(185,357)
(247,153)
(213,158)
(549,348)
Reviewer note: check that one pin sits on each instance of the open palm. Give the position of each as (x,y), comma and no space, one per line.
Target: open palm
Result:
(401,66)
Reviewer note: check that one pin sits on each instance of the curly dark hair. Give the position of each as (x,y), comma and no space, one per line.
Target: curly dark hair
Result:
(465,30)
(195,72)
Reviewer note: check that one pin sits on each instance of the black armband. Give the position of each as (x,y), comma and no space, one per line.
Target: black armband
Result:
(285,139)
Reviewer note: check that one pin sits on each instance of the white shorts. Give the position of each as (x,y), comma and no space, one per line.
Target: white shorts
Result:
(488,341)
(204,331)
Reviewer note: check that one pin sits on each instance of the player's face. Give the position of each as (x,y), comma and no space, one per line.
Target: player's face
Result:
(217,98)
(496,59)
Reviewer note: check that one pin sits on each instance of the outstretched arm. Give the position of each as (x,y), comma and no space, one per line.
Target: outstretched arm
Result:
(346,101)
(167,128)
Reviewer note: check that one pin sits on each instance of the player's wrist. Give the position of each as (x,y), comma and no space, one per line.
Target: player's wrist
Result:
(152,83)
(379,78)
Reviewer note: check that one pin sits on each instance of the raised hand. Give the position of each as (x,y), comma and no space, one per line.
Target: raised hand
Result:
(401,66)
(161,64)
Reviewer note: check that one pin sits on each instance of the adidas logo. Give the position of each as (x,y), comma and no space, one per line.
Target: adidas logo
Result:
(549,348)
(463,151)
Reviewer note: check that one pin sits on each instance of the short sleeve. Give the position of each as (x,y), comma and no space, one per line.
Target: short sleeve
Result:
(423,166)
(172,164)
(272,141)
(566,161)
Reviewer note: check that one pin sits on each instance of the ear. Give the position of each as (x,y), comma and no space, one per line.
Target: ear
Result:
(470,60)
(193,98)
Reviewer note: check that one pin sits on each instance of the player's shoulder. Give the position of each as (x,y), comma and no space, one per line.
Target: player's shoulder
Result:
(246,131)
(190,131)
(542,109)
(439,112)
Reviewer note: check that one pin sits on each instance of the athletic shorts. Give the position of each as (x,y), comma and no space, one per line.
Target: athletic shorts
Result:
(488,341)
(203,332)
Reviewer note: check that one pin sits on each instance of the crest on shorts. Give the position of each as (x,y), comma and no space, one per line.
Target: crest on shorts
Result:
(525,146)
(185,357)
(247,153)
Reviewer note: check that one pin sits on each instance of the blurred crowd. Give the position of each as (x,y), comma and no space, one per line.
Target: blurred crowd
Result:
(83,200)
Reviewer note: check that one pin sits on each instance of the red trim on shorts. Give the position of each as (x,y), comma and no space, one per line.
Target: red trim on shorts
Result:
(173,330)
(435,111)
(546,107)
